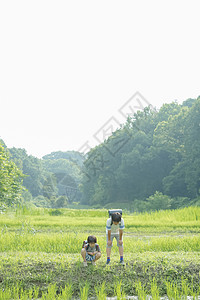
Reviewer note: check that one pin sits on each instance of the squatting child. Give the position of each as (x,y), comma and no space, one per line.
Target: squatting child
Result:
(91,251)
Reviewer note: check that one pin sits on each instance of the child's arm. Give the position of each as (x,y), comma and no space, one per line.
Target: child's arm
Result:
(108,227)
(121,230)
(91,253)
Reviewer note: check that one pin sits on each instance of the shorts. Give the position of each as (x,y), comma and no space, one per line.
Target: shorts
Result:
(89,257)
(116,236)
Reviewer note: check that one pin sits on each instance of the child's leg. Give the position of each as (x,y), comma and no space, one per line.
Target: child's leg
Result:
(83,253)
(108,248)
(121,249)
(97,256)
(108,251)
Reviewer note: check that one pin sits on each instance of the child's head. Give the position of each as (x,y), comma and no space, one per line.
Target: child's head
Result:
(116,218)
(91,240)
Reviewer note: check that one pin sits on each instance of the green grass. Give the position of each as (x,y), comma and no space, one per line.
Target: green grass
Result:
(71,243)
(40,255)
(182,220)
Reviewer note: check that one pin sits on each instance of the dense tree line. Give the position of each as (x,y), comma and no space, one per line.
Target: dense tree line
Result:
(52,181)
(153,158)
(151,162)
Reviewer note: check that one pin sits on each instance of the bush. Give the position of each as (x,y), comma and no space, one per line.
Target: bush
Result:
(180,202)
(41,201)
(195,202)
(139,206)
(158,201)
(55,212)
(61,201)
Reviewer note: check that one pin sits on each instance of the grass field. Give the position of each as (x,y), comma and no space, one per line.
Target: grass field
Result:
(40,255)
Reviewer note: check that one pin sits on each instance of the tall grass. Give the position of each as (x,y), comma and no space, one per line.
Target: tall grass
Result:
(118,291)
(174,292)
(155,290)
(186,219)
(140,290)
(84,291)
(100,292)
(72,242)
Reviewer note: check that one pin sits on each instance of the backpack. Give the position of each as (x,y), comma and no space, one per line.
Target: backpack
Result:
(112,211)
(84,243)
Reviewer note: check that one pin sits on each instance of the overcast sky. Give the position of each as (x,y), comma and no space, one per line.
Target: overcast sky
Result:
(68,67)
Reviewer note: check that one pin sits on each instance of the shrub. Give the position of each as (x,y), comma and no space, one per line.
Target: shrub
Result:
(55,212)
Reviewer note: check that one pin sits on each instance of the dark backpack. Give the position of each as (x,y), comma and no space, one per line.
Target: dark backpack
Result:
(112,211)
(84,243)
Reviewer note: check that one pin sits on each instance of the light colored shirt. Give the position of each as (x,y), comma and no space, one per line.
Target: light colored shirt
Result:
(114,228)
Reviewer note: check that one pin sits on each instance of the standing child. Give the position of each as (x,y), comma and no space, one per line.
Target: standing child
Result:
(114,229)
(91,251)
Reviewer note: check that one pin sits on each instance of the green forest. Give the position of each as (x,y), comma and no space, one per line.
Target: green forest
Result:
(151,162)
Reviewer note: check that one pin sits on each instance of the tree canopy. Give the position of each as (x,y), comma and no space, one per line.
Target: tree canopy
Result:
(10,179)
(153,151)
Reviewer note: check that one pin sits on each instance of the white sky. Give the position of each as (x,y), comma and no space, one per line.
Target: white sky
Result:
(66,67)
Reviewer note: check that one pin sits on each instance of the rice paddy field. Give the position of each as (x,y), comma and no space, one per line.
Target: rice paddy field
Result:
(40,255)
